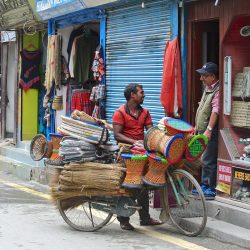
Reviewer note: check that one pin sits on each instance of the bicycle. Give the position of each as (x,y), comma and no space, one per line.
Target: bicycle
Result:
(187,211)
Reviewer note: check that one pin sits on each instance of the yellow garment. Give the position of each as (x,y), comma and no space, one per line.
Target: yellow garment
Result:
(53,65)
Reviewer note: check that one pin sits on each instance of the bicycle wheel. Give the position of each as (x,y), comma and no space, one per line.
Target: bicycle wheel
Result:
(82,213)
(187,211)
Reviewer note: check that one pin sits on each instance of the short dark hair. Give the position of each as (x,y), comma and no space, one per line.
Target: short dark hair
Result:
(131,88)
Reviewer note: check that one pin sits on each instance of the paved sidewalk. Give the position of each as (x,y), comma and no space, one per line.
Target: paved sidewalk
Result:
(227,223)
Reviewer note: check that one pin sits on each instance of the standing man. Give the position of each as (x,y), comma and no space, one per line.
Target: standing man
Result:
(206,123)
(129,122)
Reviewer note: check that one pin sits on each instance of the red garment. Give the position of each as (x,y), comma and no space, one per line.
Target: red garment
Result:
(171,90)
(81,102)
(132,127)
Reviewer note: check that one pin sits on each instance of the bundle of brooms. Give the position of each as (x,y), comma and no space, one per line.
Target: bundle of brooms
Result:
(88,179)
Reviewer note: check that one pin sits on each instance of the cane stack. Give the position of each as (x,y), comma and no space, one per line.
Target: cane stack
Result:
(89,179)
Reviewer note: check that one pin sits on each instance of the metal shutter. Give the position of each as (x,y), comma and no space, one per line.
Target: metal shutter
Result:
(135,43)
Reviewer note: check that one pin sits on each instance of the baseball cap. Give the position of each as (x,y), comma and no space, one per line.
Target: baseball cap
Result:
(208,68)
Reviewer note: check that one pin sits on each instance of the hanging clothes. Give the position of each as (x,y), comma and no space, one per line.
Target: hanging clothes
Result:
(71,86)
(81,101)
(85,49)
(171,91)
(75,33)
(53,66)
(97,95)
(30,69)
(98,65)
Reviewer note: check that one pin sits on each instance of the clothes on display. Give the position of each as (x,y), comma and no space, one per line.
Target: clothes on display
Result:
(81,52)
(97,94)
(98,65)
(53,66)
(171,92)
(29,77)
(81,101)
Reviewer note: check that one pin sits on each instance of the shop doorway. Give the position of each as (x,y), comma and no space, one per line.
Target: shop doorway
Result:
(204,45)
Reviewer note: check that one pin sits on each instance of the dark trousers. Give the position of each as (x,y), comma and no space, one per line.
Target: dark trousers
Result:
(143,201)
(209,159)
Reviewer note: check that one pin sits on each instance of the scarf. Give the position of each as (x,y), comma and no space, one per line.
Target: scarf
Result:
(171,90)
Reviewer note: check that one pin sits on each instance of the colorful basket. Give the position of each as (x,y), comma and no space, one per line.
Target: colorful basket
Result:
(135,165)
(55,158)
(40,148)
(171,147)
(155,175)
(195,147)
(175,126)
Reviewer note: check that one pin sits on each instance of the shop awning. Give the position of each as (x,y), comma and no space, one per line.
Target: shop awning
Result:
(14,14)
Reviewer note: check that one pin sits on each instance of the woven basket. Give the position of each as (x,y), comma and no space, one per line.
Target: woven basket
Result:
(195,147)
(155,175)
(40,148)
(55,158)
(240,116)
(171,147)
(175,126)
(135,165)
(57,103)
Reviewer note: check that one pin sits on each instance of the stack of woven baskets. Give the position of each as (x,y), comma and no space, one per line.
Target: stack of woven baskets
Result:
(171,142)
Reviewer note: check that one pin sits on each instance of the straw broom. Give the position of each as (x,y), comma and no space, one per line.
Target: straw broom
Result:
(87,180)
(104,179)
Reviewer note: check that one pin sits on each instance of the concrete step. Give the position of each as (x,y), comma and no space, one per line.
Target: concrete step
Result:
(19,154)
(227,232)
(230,213)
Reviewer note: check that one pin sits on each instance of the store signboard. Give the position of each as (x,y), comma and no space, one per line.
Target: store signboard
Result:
(48,4)
(48,9)
(224,177)
(241,184)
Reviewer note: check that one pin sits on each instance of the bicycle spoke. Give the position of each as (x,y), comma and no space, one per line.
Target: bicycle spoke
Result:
(187,212)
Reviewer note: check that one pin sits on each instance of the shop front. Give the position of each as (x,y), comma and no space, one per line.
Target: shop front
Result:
(219,31)
(127,38)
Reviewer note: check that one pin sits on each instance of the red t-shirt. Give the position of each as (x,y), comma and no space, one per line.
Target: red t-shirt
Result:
(132,127)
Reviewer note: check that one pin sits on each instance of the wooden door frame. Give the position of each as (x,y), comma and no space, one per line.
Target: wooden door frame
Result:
(194,86)
(4,78)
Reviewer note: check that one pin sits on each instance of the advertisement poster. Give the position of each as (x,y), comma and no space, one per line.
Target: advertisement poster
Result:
(241,184)
(224,177)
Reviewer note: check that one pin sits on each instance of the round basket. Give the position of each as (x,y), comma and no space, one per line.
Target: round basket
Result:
(155,175)
(40,148)
(55,158)
(195,147)
(135,165)
(175,126)
(171,147)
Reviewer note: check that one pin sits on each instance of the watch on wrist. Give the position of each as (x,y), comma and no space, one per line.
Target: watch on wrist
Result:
(209,128)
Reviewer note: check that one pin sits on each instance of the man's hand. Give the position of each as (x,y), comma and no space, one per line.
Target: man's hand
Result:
(139,144)
(208,134)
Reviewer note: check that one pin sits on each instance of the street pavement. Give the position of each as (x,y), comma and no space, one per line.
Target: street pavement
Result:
(29,221)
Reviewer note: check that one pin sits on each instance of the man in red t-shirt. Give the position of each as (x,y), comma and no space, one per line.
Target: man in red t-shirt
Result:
(129,122)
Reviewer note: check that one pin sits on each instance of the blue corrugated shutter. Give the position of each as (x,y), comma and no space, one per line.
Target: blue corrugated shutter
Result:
(135,43)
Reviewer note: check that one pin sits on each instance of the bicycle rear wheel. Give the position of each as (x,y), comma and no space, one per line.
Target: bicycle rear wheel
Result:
(187,211)
(81,213)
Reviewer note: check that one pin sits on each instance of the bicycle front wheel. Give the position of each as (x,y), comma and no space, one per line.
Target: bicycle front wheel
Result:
(187,211)
(81,213)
